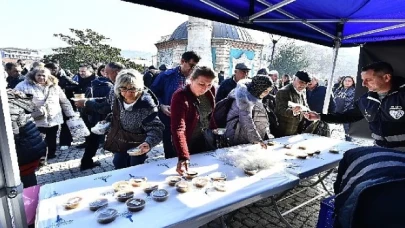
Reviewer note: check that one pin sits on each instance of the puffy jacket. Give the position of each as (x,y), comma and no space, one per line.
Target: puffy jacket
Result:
(30,146)
(369,188)
(49,100)
(386,117)
(344,99)
(247,118)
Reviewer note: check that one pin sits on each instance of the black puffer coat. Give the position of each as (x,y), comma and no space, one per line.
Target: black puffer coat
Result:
(29,144)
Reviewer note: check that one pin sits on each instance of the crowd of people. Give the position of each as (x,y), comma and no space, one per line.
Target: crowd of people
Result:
(174,106)
(184,106)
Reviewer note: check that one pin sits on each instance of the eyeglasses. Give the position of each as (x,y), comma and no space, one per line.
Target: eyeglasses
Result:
(129,90)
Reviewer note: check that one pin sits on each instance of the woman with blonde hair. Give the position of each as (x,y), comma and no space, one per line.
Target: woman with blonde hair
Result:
(135,125)
(50,101)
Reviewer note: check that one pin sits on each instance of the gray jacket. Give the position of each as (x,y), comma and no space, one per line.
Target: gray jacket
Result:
(247,118)
(143,118)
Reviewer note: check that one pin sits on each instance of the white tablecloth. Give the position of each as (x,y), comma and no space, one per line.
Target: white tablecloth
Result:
(181,209)
(315,164)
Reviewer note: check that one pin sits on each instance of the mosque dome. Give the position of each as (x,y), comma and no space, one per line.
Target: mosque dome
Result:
(219,31)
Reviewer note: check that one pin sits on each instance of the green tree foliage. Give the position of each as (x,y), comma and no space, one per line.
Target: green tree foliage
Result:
(289,58)
(87,47)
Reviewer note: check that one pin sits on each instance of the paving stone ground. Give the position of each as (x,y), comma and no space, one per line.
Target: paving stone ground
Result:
(67,166)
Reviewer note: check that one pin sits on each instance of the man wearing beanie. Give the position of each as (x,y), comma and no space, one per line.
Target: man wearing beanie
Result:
(291,119)
(247,120)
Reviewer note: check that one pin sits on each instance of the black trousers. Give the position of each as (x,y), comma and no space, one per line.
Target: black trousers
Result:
(50,138)
(167,143)
(92,144)
(29,180)
(65,138)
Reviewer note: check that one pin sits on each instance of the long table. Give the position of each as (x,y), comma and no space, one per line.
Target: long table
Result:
(194,208)
(191,209)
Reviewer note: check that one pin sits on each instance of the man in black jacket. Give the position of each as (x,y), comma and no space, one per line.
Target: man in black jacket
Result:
(150,76)
(383,106)
(14,75)
(241,72)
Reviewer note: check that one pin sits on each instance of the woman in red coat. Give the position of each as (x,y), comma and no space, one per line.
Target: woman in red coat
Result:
(190,110)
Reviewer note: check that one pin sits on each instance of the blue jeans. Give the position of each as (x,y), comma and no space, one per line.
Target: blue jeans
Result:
(123,160)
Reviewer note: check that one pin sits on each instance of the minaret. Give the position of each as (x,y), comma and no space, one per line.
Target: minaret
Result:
(199,39)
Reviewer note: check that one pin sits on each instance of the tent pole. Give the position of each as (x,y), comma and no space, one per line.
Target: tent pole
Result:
(338,42)
(10,183)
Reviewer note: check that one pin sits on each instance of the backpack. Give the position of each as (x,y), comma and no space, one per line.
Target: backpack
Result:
(221,110)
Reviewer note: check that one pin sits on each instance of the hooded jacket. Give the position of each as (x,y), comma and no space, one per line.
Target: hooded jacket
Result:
(30,146)
(49,101)
(247,120)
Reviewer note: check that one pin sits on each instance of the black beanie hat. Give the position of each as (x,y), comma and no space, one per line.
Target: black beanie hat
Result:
(258,85)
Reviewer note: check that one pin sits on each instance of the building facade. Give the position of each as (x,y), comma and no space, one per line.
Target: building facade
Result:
(221,46)
(11,54)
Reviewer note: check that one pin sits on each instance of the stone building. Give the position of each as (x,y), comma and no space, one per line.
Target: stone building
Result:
(221,46)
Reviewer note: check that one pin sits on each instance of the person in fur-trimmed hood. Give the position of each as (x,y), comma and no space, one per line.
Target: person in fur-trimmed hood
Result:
(247,120)
(50,101)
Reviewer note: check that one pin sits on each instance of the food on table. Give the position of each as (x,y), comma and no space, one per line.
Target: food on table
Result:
(270,143)
(150,188)
(191,174)
(334,150)
(106,215)
(134,151)
(137,181)
(310,152)
(302,147)
(317,151)
(121,185)
(200,182)
(72,203)
(301,155)
(124,195)
(135,205)
(182,186)
(97,204)
(160,195)
(220,186)
(172,180)
(290,153)
(288,146)
(251,171)
(218,176)
(79,95)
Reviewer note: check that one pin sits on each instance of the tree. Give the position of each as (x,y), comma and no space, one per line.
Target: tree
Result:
(289,58)
(87,47)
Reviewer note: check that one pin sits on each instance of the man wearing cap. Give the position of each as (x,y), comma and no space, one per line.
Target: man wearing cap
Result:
(150,76)
(162,68)
(291,118)
(241,72)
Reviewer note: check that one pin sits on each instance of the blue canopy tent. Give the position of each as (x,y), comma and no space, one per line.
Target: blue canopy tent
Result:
(333,23)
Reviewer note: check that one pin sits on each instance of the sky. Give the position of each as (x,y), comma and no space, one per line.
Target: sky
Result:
(32,23)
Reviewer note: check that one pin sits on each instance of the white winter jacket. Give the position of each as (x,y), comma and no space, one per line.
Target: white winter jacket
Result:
(49,101)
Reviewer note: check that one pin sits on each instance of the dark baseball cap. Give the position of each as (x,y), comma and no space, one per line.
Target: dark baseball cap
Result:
(303,76)
(241,66)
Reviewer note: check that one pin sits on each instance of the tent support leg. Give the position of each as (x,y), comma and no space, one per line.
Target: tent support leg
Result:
(330,81)
(10,183)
